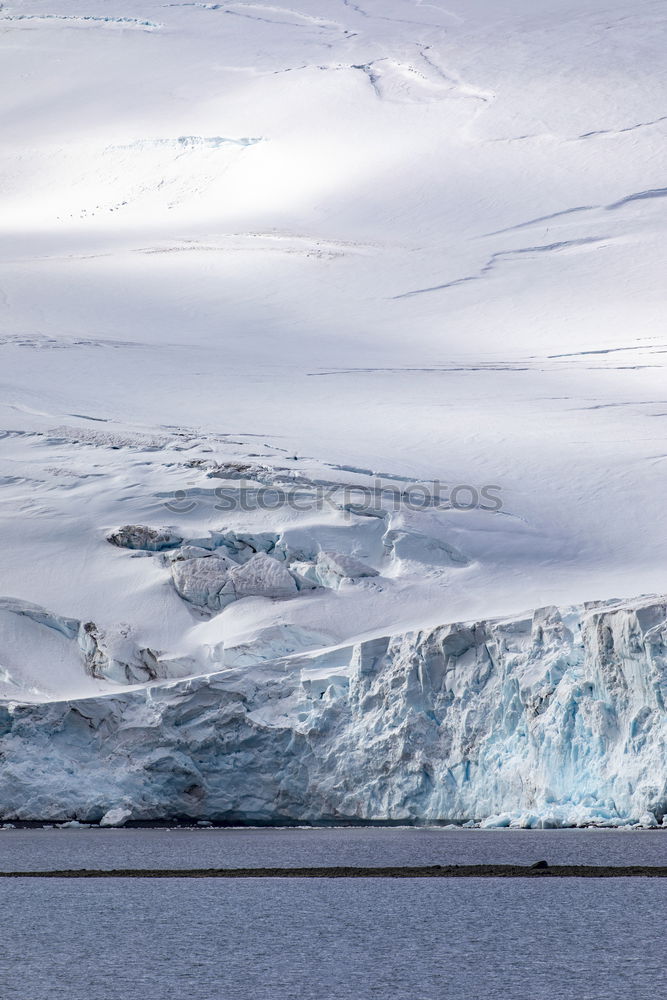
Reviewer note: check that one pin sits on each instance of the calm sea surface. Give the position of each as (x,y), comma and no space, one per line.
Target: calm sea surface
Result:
(314,939)
(317,939)
(29,850)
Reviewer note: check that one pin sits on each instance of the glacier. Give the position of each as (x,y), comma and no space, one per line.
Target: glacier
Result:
(553,719)
(329,256)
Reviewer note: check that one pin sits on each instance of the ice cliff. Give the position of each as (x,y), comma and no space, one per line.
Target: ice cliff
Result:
(552,719)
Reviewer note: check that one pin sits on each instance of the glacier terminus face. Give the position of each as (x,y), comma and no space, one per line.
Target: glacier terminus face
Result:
(551,720)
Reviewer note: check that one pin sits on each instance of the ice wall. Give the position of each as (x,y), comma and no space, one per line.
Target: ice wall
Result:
(553,719)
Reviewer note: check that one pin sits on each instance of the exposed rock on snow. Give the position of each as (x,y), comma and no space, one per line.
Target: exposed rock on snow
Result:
(189,552)
(78,648)
(114,655)
(241,470)
(557,718)
(138,536)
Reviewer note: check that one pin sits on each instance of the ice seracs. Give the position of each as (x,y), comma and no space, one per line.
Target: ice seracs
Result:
(215,571)
(262,576)
(557,718)
(204,581)
(418,547)
(330,569)
(43,654)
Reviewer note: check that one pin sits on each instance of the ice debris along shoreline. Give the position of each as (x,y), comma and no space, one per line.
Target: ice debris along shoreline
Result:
(555,719)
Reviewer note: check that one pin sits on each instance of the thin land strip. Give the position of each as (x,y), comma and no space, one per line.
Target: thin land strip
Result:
(539,870)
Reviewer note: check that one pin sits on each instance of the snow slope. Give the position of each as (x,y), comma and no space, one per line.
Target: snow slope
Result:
(364,245)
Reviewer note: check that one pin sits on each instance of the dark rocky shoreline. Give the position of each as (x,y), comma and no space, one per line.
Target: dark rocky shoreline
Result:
(539,870)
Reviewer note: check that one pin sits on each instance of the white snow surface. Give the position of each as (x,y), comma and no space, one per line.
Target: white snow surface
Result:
(292,246)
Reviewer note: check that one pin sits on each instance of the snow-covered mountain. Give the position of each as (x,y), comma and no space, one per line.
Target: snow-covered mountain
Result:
(323,324)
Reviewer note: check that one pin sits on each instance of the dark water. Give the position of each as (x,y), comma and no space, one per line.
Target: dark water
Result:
(24,850)
(313,939)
